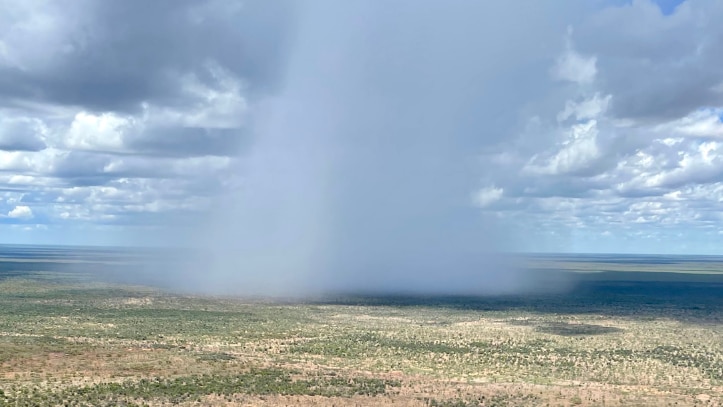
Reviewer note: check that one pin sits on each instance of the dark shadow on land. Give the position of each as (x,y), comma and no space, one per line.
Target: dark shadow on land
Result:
(563,328)
(686,298)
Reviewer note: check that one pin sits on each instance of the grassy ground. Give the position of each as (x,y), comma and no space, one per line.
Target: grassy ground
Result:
(67,341)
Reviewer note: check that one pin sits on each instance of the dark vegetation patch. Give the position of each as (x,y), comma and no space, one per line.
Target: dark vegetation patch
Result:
(123,314)
(355,345)
(192,388)
(215,357)
(708,363)
(21,346)
(575,329)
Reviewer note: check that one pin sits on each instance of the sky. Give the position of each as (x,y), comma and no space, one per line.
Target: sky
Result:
(359,129)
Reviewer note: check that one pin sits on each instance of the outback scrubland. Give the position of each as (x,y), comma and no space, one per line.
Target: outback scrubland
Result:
(638,337)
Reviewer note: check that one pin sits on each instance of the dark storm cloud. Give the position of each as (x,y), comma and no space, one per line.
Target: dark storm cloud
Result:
(114,55)
(657,66)
(20,135)
(188,141)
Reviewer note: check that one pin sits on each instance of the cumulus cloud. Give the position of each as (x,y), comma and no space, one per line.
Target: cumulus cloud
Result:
(21,212)
(486,196)
(576,153)
(102,132)
(700,123)
(574,67)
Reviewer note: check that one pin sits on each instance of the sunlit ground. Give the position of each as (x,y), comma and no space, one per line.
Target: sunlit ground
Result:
(67,340)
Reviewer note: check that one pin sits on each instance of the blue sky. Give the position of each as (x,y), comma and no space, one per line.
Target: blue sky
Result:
(668,6)
(364,130)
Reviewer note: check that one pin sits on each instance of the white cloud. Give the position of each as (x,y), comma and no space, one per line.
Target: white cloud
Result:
(577,153)
(21,212)
(103,132)
(30,162)
(487,196)
(702,123)
(574,67)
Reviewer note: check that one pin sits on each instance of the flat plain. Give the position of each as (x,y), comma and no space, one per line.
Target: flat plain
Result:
(631,330)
